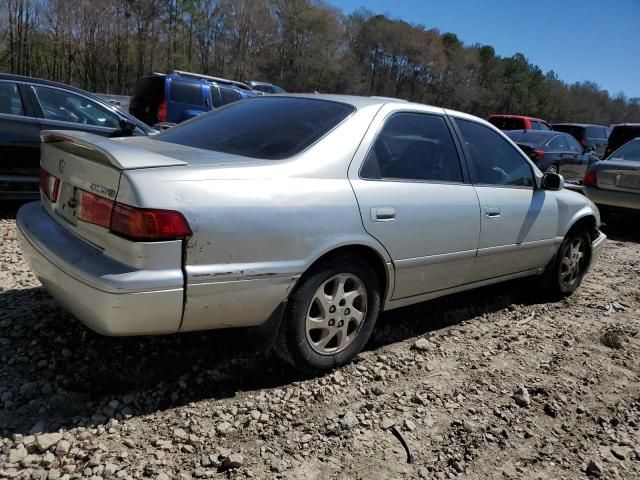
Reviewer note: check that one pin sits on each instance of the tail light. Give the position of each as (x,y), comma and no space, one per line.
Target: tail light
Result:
(590,179)
(538,154)
(94,209)
(49,185)
(139,224)
(162,112)
(146,225)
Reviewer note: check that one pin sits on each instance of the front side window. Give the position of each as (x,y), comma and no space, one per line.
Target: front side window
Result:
(10,102)
(413,146)
(544,126)
(493,160)
(270,128)
(68,107)
(535,125)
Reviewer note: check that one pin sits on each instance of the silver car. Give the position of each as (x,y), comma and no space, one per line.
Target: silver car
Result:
(614,184)
(301,216)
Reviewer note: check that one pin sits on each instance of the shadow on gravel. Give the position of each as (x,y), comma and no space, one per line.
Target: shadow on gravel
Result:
(623,228)
(56,373)
(9,209)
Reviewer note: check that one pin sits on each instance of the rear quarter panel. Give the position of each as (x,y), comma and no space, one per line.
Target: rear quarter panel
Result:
(256,228)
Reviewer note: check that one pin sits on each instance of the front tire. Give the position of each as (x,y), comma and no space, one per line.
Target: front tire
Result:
(565,272)
(330,315)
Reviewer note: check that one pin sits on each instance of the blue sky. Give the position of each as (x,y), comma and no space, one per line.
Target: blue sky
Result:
(580,40)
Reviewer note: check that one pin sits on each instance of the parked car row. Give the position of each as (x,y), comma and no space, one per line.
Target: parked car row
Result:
(168,99)
(28,106)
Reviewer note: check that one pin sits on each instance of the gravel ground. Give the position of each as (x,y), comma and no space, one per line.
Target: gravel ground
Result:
(489,384)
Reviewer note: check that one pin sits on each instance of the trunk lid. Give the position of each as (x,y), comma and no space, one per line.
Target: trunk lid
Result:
(83,161)
(621,175)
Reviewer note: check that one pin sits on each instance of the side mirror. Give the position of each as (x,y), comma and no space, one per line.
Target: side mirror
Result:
(552,181)
(127,128)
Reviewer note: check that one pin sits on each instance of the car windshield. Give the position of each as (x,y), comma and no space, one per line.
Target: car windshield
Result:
(271,128)
(630,151)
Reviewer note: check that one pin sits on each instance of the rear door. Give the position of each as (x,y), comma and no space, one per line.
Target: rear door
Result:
(415,199)
(518,223)
(61,109)
(19,134)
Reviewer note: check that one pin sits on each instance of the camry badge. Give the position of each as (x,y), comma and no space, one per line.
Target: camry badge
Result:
(62,165)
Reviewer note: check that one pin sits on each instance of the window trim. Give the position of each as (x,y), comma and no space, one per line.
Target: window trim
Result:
(466,179)
(493,128)
(40,112)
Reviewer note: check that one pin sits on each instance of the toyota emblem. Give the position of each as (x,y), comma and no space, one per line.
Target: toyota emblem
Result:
(61,165)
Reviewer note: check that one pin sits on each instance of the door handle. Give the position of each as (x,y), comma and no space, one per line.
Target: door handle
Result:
(383,214)
(491,212)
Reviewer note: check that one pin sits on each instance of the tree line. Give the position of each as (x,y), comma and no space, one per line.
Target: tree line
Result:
(302,45)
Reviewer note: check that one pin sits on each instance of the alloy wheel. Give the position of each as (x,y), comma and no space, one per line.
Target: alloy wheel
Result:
(336,313)
(572,264)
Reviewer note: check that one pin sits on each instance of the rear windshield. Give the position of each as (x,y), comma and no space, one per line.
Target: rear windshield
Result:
(150,88)
(270,128)
(531,137)
(622,134)
(505,123)
(574,130)
(630,151)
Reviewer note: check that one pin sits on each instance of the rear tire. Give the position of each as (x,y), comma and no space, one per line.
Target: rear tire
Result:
(330,315)
(565,272)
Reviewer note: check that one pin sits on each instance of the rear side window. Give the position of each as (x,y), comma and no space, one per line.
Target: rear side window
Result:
(271,128)
(413,146)
(559,144)
(229,96)
(506,123)
(185,92)
(535,125)
(10,102)
(493,160)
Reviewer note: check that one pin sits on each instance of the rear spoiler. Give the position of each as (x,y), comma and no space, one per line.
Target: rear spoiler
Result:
(106,150)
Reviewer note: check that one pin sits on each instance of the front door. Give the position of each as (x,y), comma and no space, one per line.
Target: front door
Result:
(415,201)
(519,223)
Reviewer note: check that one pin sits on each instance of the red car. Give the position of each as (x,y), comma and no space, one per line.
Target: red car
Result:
(518,122)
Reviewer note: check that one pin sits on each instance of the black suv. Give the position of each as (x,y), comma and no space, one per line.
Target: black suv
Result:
(620,135)
(589,135)
(29,105)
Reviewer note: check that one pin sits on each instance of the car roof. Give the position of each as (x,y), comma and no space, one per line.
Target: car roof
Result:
(538,133)
(353,100)
(569,124)
(49,83)
(521,117)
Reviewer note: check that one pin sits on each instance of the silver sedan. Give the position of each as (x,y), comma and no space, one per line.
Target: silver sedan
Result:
(303,216)
(614,184)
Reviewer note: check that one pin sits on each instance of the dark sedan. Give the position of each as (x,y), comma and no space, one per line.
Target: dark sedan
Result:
(29,105)
(555,152)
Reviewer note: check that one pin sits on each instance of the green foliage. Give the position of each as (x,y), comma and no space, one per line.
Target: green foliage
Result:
(303,45)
